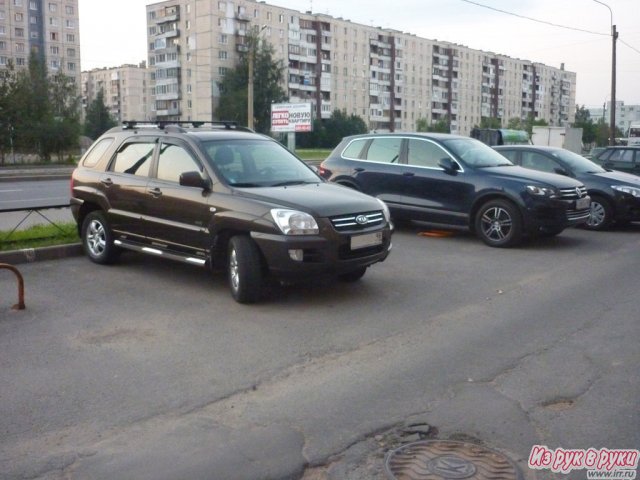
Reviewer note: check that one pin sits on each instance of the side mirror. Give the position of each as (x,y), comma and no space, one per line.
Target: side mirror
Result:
(194,179)
(448,165)
(561,171)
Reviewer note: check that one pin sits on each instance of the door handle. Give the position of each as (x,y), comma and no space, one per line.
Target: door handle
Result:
(107,182)
(408,174)
(156,192)
(358,169)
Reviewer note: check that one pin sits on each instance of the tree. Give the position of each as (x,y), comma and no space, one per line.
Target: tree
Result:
(65,106)
(583,120)
(490,122)
(328,133)
(98,119)
(268,76)
(440,126)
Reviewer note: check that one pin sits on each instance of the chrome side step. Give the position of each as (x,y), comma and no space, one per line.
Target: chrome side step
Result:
(160,253)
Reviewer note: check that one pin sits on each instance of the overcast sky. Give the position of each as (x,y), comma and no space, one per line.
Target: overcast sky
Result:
(116,34)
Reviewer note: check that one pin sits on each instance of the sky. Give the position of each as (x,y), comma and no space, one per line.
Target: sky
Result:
(115,35)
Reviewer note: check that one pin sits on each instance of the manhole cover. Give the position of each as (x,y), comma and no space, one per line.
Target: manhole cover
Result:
(442,459)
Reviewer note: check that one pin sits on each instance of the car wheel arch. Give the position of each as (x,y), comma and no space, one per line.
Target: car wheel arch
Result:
(480,201)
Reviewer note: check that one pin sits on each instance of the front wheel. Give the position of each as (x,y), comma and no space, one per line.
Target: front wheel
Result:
(600,215)
(97,239)
(244,270)
(498,224)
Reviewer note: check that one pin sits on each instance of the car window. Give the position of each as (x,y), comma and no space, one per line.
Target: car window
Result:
(257,163)
(354,149)
(510,154)
(173,161)
(94,155)
(384,150)
(621,155)
(423,153)
(536,161)
(134,158)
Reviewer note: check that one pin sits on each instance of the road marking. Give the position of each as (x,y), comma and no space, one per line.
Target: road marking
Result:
(7,191)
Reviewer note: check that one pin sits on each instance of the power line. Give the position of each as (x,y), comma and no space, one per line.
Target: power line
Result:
(535,19)
(627,45)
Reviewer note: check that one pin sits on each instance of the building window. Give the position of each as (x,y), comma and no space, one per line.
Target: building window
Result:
(71,52)
(69,10)
(222,71)
(53,36)
(69,23)
(53,7)
(223,39)
(53,21)
(71,67)
(222,54)
(33,19)
(222,6)
(3,45)
(19,32)
(71,37)
(53,50)
(20,47)
(18,17)
(33,5)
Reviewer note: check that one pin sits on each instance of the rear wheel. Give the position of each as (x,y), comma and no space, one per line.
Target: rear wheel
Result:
(97,239)
(353,275)
(244,270)
(498,224)
(600,216)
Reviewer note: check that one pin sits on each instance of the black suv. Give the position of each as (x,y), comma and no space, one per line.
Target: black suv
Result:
(460,182)
(625,159)
(222,196)
(615,196)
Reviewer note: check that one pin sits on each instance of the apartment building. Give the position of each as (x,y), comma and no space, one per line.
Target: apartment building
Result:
(625,115)
(125,90)
(388,77)
(45,27)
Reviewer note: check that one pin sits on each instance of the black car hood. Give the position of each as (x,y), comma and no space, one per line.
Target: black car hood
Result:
(319,199)
(619,177)
(524,174)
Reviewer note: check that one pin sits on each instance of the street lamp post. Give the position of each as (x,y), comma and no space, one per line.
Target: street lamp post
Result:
(614,37)
(252,52)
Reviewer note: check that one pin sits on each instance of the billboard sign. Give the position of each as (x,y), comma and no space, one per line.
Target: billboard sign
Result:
(291,117)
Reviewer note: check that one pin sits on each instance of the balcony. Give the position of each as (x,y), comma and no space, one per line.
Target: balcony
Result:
(169,34)
(168,18)
(168,112)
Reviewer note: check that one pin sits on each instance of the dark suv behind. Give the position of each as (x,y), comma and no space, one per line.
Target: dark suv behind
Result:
(459,182)
(222,197)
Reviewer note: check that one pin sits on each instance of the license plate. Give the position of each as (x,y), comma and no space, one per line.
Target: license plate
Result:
(583,203)
(367,240)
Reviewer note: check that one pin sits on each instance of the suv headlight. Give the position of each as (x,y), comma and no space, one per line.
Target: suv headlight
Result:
(627,189)
(543,191)
(293,222)
(385,210)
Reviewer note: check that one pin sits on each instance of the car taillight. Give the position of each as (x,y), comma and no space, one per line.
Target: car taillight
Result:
(323,172)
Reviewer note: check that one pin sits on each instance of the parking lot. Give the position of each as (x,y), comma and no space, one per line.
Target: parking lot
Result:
(149,369)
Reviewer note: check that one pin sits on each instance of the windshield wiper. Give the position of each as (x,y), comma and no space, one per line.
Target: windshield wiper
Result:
(246,185)
(291,182)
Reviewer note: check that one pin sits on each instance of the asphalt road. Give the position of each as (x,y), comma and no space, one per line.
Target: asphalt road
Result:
(149,370)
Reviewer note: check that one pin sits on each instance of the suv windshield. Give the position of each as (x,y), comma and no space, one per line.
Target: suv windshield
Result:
(577,163)
(475,153)
(257,163)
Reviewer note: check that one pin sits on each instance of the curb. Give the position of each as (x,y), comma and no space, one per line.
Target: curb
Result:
(30,255)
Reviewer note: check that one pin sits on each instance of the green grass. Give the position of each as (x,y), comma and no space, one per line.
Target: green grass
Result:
(39,236)
(313,154)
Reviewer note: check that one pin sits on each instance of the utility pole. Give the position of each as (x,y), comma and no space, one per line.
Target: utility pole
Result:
(612,129)
(253,44)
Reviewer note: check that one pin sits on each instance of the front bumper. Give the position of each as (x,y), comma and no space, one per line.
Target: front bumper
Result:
(627,207)
(551,213)
(328,253)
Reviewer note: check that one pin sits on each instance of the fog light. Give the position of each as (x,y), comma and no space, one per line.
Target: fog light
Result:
(297,254)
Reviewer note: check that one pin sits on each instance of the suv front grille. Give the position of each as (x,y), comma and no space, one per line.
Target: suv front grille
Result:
(572,193)
(356,221)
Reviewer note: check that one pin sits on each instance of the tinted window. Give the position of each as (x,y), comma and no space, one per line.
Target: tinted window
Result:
(577,163)
(134,158)
(536,161)
(174,161)
(96,152)
(354,148)
(510,154)
(384,150)
(621,156)
(424,154)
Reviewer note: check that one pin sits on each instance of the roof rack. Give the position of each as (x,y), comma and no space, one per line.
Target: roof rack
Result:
(178,126)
